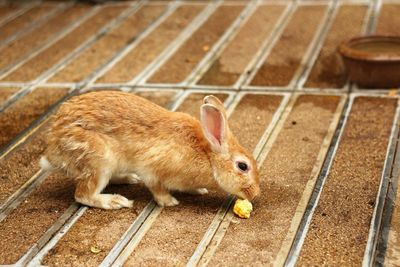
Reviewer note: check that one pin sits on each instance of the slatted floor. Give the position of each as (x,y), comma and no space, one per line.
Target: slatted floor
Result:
(327,150)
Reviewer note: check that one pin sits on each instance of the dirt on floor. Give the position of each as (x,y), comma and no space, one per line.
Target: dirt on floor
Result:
(23,21)
(339,229)
(148,49)
(112,42)
(27,110)
(181,228)
(30,220)
(328,70)
(228,67)
(20,165)
(284,174)
(8,9)
(19,48)
(179,66)
(285,58)
(50,56)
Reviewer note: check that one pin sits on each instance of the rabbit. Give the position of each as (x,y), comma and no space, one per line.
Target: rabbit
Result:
(115,137)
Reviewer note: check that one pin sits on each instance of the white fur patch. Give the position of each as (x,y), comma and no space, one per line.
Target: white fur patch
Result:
(45,164)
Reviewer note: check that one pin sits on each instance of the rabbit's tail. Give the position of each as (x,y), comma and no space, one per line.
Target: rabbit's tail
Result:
(45,164)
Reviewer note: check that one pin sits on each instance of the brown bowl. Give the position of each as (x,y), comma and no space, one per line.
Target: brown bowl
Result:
(372,61)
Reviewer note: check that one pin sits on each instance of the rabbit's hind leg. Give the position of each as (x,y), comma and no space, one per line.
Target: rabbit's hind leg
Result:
(88,192)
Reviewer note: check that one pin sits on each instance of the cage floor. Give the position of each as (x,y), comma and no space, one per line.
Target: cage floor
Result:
(326,150)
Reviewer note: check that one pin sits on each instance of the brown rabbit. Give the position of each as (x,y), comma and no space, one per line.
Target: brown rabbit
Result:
(102,137)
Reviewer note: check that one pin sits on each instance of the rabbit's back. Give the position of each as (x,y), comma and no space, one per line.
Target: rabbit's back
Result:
(109,112)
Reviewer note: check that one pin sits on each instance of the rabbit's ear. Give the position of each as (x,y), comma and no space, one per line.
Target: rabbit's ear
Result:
(213,100)
(214,127)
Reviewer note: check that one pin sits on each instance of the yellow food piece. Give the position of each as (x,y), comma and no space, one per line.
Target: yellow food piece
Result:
(95,250)
(243,208)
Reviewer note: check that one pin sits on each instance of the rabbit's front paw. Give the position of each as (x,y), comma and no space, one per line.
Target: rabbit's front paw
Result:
(118,201)
(166,201)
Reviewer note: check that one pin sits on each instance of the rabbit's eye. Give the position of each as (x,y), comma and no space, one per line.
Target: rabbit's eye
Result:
(242,166)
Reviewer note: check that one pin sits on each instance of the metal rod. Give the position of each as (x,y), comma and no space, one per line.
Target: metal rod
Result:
(37,259)
(312,204)
(174,45)
(315,45)
(36,50)
(33,25)
(377,215)
(221,44)
(263,54)
(25,8)
(316,48)
(302,205)
(130,46)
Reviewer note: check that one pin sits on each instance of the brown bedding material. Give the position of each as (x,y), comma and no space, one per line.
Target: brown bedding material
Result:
(20,47)
(107,46)
(23,21)
(227,68)
(284,174)
(285,58)
(339,229)
(27,110)
(30,220)
(149,48)
(50,56)
(179,66)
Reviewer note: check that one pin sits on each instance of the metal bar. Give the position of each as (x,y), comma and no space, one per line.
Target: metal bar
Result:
(37,259)
(31,129)
(31,26)
(53,230)
(13,201)
(55,37)
(51,71)
(312,204)
(377,215)
(265,51)
(372,17)
(316,49)
(25,8)
(388,209)
(13,84)
(174,45)
(302,205)
(136,230)
(315,45)
(221,44)
(127,48)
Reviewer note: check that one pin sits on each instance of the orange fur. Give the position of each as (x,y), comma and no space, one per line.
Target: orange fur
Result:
(99,135)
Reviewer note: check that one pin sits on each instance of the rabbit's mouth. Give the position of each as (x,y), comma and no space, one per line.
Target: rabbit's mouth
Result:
(250,192)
